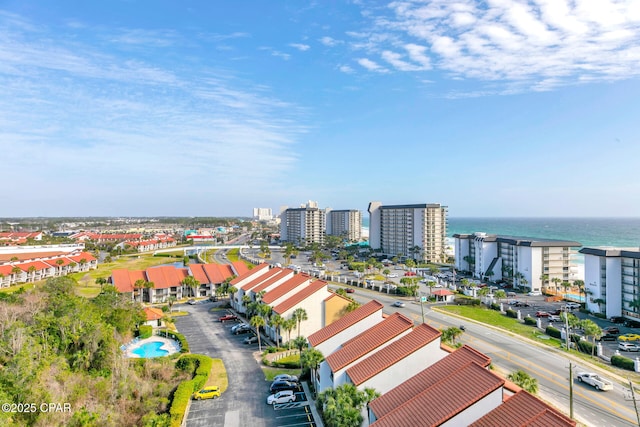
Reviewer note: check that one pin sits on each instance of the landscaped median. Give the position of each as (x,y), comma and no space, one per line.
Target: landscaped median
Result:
(206,371)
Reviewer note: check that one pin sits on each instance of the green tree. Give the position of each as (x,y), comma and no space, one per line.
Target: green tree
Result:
(311,359)
(299,314)
(544,278)
(257,322)
(288,325)
(592,330)
(451,334)
(524,380)
(342,406)
(276,321)
(191,283)
(500,294)
(139,285)
(556,281)
(300,343)
(170,301)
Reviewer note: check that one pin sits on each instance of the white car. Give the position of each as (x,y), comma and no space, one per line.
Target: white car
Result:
(284,396)
(534,293)
(392,275)
(572,305)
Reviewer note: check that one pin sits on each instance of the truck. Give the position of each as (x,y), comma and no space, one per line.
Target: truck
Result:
(595,381)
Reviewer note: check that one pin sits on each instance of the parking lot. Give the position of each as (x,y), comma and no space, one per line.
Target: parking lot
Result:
(244,402)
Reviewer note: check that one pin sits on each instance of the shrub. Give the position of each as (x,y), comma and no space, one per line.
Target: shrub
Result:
(184,345)
(271,349)
(201,366)
(530,321)
(180,401)
(623,362)
(145,331)
(600,315)
(289,362)
(495,306)
(512,313)
(466,300)
(584,346)
(553,332)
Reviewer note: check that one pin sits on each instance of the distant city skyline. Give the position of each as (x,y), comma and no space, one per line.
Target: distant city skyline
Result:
(495,109)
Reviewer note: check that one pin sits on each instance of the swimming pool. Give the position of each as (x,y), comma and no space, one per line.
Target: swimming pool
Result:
(150,349)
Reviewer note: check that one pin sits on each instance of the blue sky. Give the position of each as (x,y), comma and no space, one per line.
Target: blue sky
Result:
(193,108)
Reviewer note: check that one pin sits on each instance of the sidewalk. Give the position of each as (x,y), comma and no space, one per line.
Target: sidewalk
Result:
(317,419)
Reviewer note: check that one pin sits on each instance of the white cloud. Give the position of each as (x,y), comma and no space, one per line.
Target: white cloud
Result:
(300,46)
(371,66)
(346,69)
(329,41)
(282,55)
(110,123)
(534,43)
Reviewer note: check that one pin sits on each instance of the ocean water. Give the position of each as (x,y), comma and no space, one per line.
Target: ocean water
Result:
(589,232)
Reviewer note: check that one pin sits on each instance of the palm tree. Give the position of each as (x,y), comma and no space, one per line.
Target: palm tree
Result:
(544,278)
(170,301)
(59,263)
(300,342)
(591,329)
(556,281)
(581,288)
(139,284)
(524,380)
(276,322)
(299,314)
(500,294)
(565,285)
(288,325)
(257,322)
(451,334)
(431,284)
(191,283)
(599,301)
(101,281)
(311,358)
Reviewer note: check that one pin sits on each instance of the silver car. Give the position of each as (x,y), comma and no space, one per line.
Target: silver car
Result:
(398,304)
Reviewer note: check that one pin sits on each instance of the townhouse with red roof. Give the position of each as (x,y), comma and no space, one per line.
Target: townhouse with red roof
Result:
(332,372)
(311,298)
(10,238)
(158,283)
(35,266)
(211,276)
(260,284)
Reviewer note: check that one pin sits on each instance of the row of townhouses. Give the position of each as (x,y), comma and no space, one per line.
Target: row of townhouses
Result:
(611,276)
(158,284)
(418,231)
(421,380)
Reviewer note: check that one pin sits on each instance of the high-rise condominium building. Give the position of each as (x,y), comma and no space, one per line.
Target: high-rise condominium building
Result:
(303,225)
(345,223)
(417,231)
(262,214)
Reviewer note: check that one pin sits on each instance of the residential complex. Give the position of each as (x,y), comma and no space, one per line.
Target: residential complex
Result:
(303,225)
(345,223)
(417,231)
(612,281)
(262,214)
(523,261)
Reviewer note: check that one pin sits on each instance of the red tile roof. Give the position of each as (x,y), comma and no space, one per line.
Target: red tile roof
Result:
(153,313)
(83,255)
(240,267)
(442,292)
(39,265)
(211,273)
(282,274)
(369,340)
(284,288)
(197,271)
(166,276)
(523,409)
(244,275)
(123,280)
(300,296)
(444,399)
(6,270)
(60,262)
(31,255)
(418,338)
(426,378)
(259,279)
(345,322)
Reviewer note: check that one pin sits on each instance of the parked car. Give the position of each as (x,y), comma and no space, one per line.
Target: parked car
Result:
(286,377)
(409,273)
(277,386)
(627,346)
(192,302)
(632,323)
(284,396)
(595,381)
(398,304)
(241,329)
(613,330)
(251,340)
(629,337)
(534,293)
(542,314)
(553,318)
(521,304)
(213,298)
(210,392)
(228,317)
(555,312)
(572,305)
(608,337)
(349,290)
(617,319)
(392,275)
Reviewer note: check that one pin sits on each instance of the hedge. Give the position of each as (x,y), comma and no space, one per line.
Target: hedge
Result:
(145,331)
(512,313)
(465,300)
(203,365)
(495,306)
(530,321)
(184,345)
(553,332)
(623,362)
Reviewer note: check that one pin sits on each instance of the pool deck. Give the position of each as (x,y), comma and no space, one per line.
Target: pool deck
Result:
(168,345)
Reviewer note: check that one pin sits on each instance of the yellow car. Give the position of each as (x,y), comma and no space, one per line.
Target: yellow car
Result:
(629,337)
(207,393)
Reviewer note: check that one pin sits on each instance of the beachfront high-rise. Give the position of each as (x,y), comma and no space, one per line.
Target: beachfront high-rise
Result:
(345,223)
(526,262)
(262,214)
(416,231)
(303,225)
(612,281)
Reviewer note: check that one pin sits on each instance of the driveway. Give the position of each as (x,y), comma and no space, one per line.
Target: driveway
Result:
(243,403)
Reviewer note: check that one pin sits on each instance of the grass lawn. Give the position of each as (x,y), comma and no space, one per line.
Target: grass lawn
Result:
(234,255)
(218,375)
(270,372)
(494,318)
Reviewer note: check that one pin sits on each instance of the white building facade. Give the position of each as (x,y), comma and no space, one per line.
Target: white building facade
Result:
(612,281)
(416,231)
(262,214)
(345,223)
(523,261)
(303,225)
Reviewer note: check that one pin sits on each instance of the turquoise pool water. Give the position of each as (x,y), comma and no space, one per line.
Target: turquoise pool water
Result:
(150,349)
